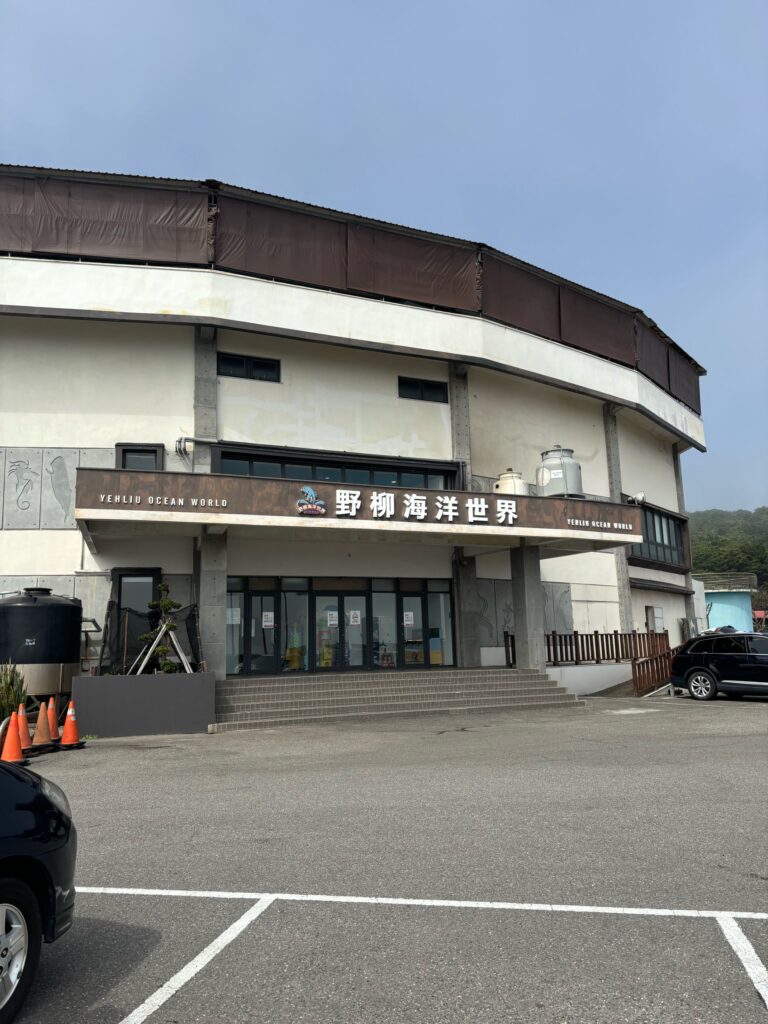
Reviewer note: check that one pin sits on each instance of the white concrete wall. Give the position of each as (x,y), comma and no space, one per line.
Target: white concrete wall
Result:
(334,398)
(584,679)
(40,552)
(174,555)
(594,588)
(200,295)
(92,384)
(647,461)
(301,558)
(513,421)
(672,605)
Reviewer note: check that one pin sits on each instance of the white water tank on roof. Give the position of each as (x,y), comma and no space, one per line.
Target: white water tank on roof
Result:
(510,482)
(559,474)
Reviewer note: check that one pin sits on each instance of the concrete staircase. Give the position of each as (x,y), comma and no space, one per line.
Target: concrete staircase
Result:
(252,703)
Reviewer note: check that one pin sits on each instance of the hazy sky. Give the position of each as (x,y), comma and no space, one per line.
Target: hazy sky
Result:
(623,145)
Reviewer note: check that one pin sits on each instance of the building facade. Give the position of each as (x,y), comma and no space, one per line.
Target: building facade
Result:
(297,418)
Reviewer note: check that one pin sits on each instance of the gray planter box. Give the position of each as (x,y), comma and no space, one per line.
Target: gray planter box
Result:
(144,705)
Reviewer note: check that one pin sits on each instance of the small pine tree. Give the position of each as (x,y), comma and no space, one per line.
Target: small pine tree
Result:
(160,660)
(11,689)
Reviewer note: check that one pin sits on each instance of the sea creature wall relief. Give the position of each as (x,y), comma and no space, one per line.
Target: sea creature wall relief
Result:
(58,498)
(60,484)
(22,476)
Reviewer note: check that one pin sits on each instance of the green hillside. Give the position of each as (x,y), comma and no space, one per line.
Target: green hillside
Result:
(731,542)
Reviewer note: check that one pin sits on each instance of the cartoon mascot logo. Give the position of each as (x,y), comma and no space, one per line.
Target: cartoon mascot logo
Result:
(310,504)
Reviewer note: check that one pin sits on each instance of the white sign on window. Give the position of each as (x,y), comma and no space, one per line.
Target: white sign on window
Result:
(333,618)
(407,618)
(267,620)
(354,617)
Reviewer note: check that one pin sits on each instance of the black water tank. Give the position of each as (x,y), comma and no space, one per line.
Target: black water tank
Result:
(39,628)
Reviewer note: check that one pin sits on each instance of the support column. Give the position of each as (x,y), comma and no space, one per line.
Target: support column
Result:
(211,573)
(690,605)
(610,426)
(206,395)
(528,604)
(467,606)
(467,600)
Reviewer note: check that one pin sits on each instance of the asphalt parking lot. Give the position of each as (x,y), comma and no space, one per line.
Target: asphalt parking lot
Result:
(573,867)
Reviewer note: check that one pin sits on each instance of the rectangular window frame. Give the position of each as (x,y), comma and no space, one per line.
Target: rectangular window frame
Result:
(666,544)
(422,390)
(124,448)
(260,368)
(318,461)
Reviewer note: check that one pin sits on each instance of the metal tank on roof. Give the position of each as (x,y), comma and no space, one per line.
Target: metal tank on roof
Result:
(559,474)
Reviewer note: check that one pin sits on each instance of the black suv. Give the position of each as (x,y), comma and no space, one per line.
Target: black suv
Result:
(733,663)
(38,846)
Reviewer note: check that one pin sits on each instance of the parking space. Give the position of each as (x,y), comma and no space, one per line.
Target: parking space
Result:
(502,816)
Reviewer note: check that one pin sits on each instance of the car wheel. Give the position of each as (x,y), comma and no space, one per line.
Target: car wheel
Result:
(20,942)
(701,685)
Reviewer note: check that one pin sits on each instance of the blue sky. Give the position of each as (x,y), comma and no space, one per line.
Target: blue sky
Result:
(622,145)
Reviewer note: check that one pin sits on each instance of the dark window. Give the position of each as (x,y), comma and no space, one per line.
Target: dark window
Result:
(728,645)
(663,539)
(757,644)
(702,646)
(135,588)
(251,367)
(425,390)
(239,463)
(294,471)
(148,457)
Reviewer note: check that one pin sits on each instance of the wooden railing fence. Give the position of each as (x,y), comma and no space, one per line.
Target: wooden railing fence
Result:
(595,648)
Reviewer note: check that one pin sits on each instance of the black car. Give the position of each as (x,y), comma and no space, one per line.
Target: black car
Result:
(732,663)
(38,847)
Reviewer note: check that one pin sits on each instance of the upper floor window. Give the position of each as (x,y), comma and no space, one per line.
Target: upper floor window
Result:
(241,463)
(248,367)
(424,390)
(664,539)
(149,457)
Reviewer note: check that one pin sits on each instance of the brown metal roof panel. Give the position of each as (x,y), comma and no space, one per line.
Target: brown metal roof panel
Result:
(274,242)
(596,327)
(520,298)
(415,269)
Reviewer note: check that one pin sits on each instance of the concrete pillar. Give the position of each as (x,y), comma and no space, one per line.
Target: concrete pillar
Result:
(611,429)
(206,396)
(467,605)
(690,607)
(528,603)
(211,573)
(458,390)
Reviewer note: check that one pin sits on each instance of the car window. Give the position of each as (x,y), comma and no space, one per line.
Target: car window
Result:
(757,644)
(729,644)
(701,646)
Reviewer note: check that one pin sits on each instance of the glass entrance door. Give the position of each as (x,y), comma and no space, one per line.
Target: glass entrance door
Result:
(355,627)
(263,640)
(412,626)
(327,632)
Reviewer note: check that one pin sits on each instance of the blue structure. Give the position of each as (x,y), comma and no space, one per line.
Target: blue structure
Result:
(728,598)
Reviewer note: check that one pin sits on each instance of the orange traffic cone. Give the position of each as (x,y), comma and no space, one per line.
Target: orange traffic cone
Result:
(24,738)
(41,741)
(12,746)
(70,738)
(53,720)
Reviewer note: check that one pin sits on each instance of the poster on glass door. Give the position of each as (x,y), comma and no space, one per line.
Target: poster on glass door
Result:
(267,620)
(333,619)
(407,618)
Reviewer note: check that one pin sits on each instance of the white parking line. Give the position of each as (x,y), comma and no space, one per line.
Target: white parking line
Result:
(727,921)
(406,901)
(745,951)
(179,979)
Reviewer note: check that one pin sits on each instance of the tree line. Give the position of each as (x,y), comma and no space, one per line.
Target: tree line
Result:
(723,541)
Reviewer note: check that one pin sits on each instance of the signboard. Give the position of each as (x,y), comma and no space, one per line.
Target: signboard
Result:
(407,618)
(267,620)
(333,619)
(115,494)
(355,617)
